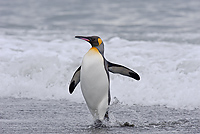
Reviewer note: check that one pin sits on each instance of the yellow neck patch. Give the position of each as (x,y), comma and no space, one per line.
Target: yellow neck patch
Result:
(99,41)
(92,51)
(94,48)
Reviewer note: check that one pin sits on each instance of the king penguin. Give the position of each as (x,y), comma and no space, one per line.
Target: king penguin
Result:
(93,75)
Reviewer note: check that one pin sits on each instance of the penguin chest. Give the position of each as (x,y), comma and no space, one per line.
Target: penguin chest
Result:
(94,81)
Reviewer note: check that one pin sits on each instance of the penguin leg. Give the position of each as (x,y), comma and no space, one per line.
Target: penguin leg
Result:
(106,117)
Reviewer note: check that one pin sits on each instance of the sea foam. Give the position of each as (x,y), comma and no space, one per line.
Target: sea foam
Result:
(42,69)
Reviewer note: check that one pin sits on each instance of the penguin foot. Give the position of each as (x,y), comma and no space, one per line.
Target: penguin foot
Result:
(98,124)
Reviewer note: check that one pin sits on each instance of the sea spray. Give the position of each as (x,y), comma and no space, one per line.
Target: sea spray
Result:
(169,72)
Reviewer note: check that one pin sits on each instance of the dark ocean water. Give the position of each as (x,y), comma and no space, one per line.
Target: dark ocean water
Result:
(129,19)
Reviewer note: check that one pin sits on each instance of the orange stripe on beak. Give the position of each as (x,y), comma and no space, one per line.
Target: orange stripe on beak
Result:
(85,39)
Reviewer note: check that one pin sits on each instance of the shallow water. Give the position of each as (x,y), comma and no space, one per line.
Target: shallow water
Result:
(62,116)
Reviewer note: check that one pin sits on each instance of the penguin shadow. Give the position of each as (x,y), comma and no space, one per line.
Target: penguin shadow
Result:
(110,119)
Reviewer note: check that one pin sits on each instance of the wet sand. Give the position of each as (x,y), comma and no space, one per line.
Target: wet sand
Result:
(22,116)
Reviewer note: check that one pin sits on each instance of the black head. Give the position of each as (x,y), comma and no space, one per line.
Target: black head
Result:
(93,40)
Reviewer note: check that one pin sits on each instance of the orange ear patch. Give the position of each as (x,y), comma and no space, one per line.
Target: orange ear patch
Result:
(99,41)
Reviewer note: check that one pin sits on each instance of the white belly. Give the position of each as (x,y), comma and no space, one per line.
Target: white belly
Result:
(94,84)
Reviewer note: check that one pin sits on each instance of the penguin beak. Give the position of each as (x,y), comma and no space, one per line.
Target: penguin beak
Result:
(83,38)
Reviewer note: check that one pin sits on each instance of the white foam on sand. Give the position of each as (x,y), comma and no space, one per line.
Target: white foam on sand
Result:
(42,69)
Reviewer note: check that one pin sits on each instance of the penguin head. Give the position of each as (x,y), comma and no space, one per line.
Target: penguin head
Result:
(95,41)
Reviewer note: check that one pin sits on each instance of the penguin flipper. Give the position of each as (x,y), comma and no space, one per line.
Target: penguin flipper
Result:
(75,80)
(115,68)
